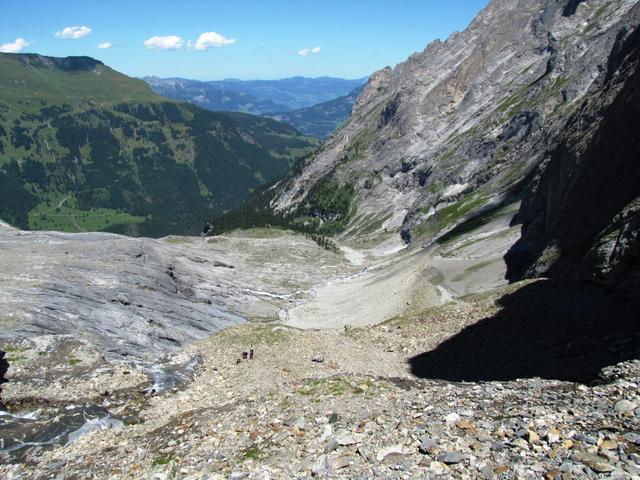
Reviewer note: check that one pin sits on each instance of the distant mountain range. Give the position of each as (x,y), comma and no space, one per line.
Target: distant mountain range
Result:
(322,119)
(83,147)
(255,96)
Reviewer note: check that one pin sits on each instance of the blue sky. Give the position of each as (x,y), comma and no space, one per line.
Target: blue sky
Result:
(247,39)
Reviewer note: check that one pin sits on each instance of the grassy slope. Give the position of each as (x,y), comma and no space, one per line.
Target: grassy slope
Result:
(33,81)
(123,157)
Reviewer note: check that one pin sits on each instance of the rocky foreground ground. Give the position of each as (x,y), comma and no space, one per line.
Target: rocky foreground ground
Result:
(362,403)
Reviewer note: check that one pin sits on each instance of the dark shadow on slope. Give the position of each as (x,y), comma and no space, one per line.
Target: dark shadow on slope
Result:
(547,329)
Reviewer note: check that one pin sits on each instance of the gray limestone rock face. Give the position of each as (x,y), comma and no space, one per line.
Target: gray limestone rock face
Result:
(133,297)
(459,127)
(142,298)
(581,213)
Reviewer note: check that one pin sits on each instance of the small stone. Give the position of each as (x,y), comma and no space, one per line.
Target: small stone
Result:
(451,458)
(625,407)
(389,453)
(123,299)
(500,469)
(553,475)
(487,472)
(340,462)
(427,445)
(349,439)
(568,444)
(520,442)
(553,435)
(327,431)
(585,439)
(331,446)
(452,418)
(497,446)
(318,358)
(334,417)
(321,466)
(609,445)
(597,464)
(632,437)
(438,468)
(532,437)
(465,424)
(300,423)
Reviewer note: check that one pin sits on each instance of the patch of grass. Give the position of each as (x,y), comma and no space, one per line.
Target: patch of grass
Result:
(336,386)
(448,215)
(355,332)
(470,225)
(178,240)
(263,232)
(454,251)
(434,187)
(14,349)
(593,23)
(68,217)
(499,291)
(247,335)
(373,225)
(478,266)
(251,453)
(511,101)
(471,269)
(73,361)
(406,319)
(163,460)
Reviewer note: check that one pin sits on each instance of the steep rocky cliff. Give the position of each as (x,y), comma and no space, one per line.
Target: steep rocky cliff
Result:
(581,214)
(459,128)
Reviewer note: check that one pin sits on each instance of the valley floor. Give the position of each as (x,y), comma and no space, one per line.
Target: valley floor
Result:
(383,363)
(365,402)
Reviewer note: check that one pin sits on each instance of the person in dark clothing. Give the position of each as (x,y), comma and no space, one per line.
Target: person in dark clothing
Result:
(4,367)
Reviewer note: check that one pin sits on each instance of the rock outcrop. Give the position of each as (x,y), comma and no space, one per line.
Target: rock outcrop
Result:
(460,127)
(142,298)
(581,215)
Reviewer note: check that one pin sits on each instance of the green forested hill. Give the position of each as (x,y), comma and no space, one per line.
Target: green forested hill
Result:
(322,119)
(83,147)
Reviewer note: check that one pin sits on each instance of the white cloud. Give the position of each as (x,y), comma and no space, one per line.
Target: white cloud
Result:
(105,45)
(307,51)
(210,39)
(73,32)
(166,42)
(14,47)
